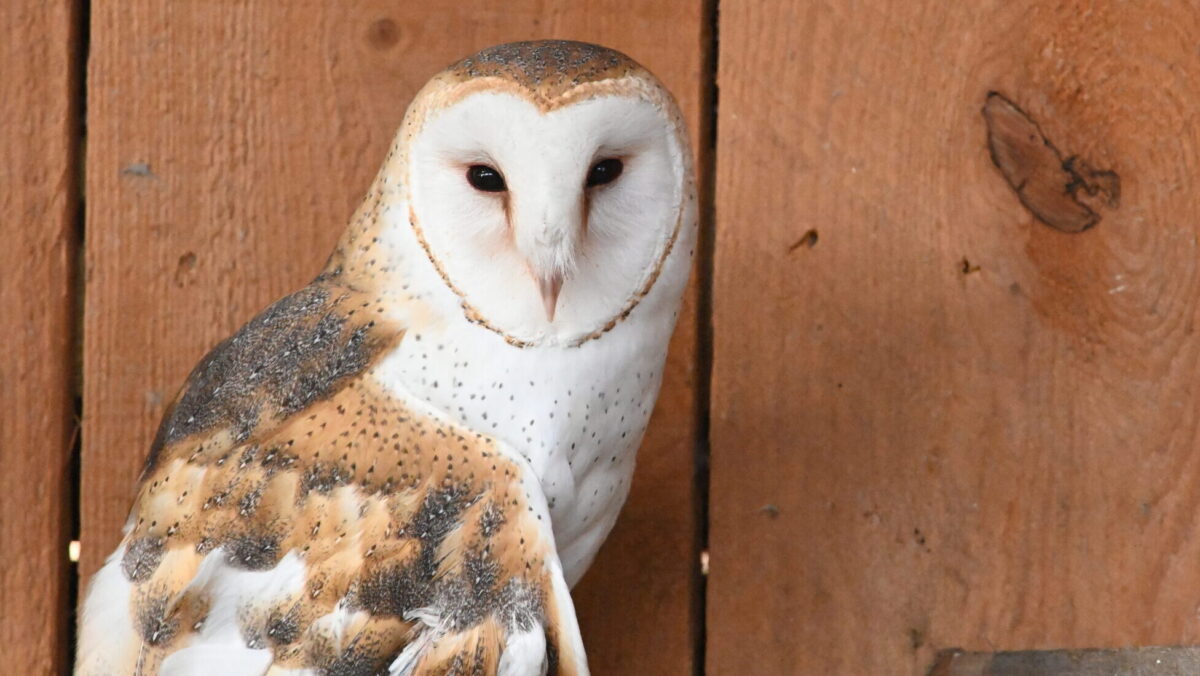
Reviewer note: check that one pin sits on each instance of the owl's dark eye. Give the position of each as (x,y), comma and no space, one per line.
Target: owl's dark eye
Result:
(604,171)
(485,178)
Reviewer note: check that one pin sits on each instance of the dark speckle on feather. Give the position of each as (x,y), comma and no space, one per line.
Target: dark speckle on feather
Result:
(465,599)
(293,354)
(283,628)
(142,557)
(397,589)
(491,520)
(155,620)
(394,590)
(249,502)
(252,551)
(324,477)
(359,659)
(439,514)
(519,605)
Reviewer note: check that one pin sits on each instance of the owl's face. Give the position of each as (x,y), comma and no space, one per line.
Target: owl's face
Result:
(548,220)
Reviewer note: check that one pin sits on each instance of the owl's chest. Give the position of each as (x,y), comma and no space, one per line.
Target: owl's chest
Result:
(577,414)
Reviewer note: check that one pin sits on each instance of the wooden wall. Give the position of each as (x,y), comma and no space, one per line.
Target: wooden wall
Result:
(938,422)
(39,184)
(932,420)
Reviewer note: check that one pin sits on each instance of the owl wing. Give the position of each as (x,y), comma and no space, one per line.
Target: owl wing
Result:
(295,516)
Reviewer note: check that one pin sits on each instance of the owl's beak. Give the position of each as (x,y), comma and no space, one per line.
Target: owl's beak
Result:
(548,223)
(549,288)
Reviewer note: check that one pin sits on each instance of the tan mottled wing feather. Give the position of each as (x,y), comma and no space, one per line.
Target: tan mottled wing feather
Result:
(411,536)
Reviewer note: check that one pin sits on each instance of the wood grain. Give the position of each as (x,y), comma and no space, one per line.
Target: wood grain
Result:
(944,424)
(229,142)
(38,137)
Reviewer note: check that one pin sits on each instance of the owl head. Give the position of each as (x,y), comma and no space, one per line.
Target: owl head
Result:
(547,183)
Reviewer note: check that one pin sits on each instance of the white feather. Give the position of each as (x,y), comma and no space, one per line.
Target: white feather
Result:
(524,654)
(219,647)
(231,590)
(406,662)
(334,624)
(209,659)
(106,632)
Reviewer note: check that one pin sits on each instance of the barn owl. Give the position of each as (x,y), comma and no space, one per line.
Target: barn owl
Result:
(404,466)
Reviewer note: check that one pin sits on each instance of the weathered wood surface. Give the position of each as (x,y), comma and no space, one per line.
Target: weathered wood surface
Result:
(38,185)
(940,422)
(1126,662)
(229,143)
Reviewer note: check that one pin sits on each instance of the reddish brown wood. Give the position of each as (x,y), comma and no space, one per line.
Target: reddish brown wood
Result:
(944,423)
(228,144)
(38,184)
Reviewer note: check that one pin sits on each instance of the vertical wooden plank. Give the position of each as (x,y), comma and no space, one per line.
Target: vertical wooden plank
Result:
(230,142)
(937,421)
(38,136)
